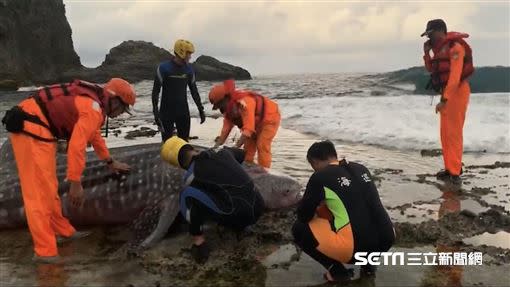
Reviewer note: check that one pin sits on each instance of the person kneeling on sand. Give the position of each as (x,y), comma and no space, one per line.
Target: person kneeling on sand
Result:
(340,214)
(216,188)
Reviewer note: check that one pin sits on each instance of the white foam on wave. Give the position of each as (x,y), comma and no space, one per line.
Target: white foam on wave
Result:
(344,109)
(28,88)
(403,122)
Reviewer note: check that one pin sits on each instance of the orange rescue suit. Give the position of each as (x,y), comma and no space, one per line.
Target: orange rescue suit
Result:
(456,93)
(258,121)
(36,162)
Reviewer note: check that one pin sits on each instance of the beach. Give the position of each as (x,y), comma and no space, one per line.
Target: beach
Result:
(391,84)
(429,216)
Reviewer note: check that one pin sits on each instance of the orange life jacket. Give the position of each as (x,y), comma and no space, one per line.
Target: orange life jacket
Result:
(441,61)
(57,104)
(233,113)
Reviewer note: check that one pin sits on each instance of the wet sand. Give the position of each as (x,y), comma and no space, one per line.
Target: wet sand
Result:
(429,217)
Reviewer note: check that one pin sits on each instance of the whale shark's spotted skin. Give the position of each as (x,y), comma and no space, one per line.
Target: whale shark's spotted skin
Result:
(147,197)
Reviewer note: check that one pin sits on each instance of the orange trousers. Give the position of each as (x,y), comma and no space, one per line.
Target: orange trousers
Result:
(262,144)
(337,245)
(36,162)
(452,123)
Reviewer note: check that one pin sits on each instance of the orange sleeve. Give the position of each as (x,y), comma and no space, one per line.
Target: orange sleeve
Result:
(225,131)
(90,119)
(456,62)
(99,145)
(248,106)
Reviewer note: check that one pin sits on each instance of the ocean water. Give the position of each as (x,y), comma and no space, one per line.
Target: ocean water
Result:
(359,108)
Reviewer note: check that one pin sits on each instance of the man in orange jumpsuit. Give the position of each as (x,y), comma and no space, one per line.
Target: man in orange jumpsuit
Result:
(257,116)
(450,67)
(75,112)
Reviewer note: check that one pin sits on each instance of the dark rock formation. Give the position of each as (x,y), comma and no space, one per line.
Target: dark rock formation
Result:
(209,69)
(131,60)
(36,48)
(134,60)
(35,41)
(8,85)
(137,60)
(484,80)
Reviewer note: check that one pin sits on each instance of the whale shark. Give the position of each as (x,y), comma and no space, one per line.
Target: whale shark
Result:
(146,198)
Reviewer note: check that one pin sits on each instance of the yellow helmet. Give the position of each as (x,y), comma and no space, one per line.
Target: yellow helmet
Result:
(170,150)
(181,47)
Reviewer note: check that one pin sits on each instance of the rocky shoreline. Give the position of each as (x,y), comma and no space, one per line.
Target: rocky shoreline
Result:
(428,217)
(240,260)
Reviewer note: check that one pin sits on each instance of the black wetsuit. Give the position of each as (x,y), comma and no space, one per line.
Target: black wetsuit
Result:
(350,190)
(174,110)
(220,190)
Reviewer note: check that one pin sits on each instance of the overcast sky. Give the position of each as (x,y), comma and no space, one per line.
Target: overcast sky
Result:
(268,37)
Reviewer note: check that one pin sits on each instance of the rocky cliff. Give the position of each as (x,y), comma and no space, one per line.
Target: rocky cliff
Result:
(35,41)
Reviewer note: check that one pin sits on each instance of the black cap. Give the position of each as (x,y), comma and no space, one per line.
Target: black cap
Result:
(434,25)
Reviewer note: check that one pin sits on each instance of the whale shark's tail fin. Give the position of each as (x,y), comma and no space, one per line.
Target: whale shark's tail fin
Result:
(152,224)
